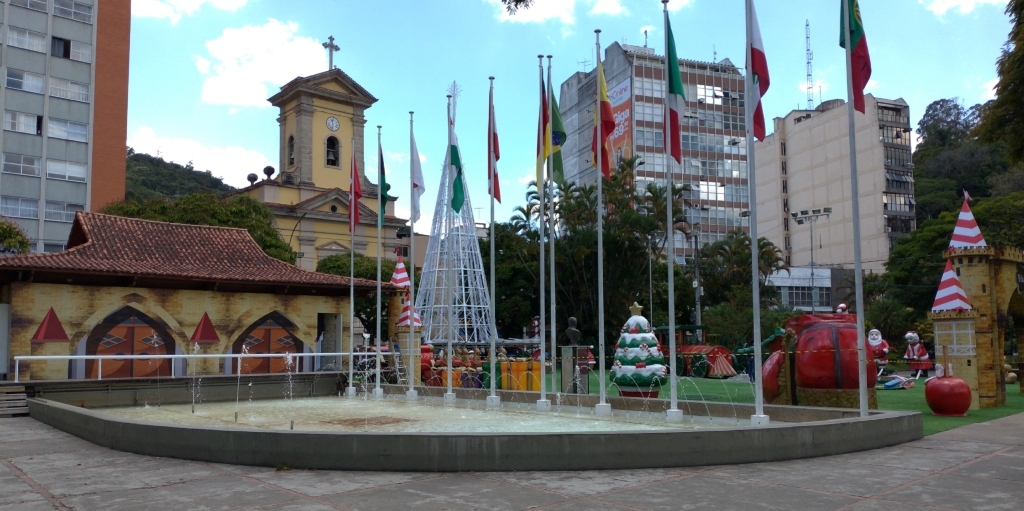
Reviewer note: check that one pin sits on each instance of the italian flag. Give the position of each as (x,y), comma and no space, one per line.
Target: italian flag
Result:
(676,97)
(860,60)
(458,192)
(758,71)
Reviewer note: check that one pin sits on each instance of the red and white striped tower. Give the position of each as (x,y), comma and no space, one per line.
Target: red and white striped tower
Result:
(951,295)
(966,234)
(407,311)
(400,277)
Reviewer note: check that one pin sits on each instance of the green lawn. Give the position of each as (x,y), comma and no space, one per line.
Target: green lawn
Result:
(906,400)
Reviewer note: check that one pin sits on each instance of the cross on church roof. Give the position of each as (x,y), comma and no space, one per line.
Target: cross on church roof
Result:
(331,48)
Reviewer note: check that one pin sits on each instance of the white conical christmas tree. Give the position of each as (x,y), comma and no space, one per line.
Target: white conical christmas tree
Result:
(453,290)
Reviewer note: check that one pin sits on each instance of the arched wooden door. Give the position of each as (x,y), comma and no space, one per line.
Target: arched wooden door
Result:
(267,337)
(128,332)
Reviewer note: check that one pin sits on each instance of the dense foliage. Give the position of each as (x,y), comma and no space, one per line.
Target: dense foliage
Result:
(1003,118)
(206,209)
(365,268)
(150,177)
(13,239)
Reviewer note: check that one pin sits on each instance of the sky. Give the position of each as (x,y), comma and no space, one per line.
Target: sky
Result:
(201,70)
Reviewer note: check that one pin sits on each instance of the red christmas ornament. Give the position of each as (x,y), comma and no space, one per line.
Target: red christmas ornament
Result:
(634,329)
(641,365)
(948,396)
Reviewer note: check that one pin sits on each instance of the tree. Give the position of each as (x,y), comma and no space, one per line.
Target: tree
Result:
(1002,119)
(516,282)
(514,5)
(945,124)
(13,239)
(150,177)
(365,268)
(206,209)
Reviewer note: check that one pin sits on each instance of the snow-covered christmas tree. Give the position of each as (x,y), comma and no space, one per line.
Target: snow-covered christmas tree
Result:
(639,369)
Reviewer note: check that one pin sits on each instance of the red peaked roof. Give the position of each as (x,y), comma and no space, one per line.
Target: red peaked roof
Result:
(50,330)
(205,333)
(951,295)
(966,233)
(131,252)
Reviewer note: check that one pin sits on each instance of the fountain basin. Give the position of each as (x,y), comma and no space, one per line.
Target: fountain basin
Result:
(806,432)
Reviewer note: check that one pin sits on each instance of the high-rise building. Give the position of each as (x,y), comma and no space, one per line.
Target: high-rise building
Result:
(713,133)
(804,168)
(65,99)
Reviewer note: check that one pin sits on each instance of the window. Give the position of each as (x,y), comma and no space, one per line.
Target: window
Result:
(291,150)
(21,164)
(783,166)
(893,135)
(783,148)
(23,123)
(26,39)
(785,186)
(23,80)
(68,130)
(17,207)
(898,202)
(62,211)
(897,157)
(332,152)
(74,10)
(53,247)
(61,88)
(38,5)
(66,170)
(403,251)
(69,49)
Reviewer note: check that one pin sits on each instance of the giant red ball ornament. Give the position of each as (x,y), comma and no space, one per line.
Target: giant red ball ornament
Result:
(826,351)
(948,396)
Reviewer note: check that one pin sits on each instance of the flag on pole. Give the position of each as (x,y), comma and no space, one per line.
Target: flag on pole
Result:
(355,192)
(604,119)
(418,187)
(543,131)
(458,192)
(860,60)
(676,98)
(557,137)
(383,187)
(493,153)
(759,69)
(967,196)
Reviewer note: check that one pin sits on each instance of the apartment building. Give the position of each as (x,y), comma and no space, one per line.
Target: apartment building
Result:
(65,101)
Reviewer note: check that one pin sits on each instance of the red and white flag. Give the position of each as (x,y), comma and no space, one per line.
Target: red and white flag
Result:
(493,154)
(355,193)
(757,66)
(676,96)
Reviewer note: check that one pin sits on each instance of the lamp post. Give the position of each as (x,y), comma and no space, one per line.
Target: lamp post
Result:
(811,217)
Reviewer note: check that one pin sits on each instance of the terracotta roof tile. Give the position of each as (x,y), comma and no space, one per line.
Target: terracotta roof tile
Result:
(105,244)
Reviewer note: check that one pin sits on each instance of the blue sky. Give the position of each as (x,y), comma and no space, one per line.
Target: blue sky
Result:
(201,70)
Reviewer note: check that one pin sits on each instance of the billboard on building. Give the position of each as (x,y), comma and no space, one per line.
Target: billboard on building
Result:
(621,140)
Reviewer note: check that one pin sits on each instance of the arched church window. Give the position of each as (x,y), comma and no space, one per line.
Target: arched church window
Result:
(291,150)
(332,151)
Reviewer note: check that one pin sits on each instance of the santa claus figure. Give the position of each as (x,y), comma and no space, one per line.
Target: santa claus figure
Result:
(879,349)
(917,355)
(841,309)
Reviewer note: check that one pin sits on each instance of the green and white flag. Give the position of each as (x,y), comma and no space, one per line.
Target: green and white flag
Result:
(458,189)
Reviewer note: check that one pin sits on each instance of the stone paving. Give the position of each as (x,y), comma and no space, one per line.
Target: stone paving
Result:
(976,467)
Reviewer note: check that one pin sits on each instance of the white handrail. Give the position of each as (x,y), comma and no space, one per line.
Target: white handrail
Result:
(101,358)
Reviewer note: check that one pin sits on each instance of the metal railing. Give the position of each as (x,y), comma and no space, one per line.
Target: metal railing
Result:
(238,356)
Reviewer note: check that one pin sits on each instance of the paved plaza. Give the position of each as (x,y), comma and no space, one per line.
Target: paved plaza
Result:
(976,467)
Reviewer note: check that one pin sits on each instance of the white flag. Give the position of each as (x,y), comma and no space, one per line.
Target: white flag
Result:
(417,177)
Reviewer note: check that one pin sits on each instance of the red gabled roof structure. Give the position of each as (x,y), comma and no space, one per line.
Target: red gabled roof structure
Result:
(205,333)
(50,330)
(111,250)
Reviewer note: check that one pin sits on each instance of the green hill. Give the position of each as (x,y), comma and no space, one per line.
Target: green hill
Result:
(150,177)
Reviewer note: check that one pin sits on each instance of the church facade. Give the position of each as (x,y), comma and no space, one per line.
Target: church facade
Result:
(322,120)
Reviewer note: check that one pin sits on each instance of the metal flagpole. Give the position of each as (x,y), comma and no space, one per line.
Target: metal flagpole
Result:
(492,400)
(542,403)
(673,414)
(603,407)
(862,358)
(415,206)
(551,233)
(449,397)
(381,194)
(351,389)
(759,418)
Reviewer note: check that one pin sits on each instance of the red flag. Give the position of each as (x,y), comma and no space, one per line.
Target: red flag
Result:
(355,193)
(493,154)
(860,59)
(604,118)
(758,70)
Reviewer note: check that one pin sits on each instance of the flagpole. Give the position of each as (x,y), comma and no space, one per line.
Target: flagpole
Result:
(673,414)
(551,233)
(759,417)
(411,394)
(353,203)
(449,397)
(858,275)
(492,400)
(603,407)
(543,403)
(378,392)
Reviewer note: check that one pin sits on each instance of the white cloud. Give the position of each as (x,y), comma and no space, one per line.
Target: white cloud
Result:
(399,157)
(612,7)
(675,5)
(539,12)
(231,163)
(244,62)
(525,180)
(871,85)
(939,7)
(174,10)
(819,87)
(989,89)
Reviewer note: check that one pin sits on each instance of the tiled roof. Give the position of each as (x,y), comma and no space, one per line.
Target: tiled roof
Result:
(117,246)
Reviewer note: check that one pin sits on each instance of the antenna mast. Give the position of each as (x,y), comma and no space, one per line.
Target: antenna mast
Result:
(810,57)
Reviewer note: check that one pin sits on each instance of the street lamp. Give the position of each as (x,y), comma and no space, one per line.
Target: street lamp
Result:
(811,217)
